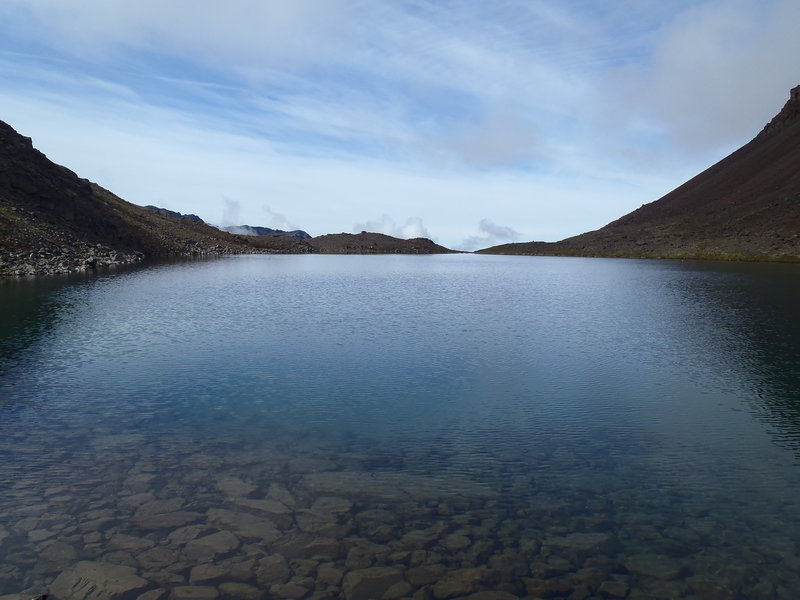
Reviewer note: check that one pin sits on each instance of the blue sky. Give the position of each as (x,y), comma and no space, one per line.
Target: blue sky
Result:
(469,122)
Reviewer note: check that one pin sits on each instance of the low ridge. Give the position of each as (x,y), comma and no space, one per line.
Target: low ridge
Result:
(374,243)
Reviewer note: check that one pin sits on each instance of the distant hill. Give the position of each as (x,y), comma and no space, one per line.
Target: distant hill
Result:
(373,243)
(250,230)
(745,207)
(52,221)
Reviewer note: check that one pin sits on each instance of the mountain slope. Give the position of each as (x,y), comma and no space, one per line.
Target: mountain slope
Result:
(746,206)
(52,221)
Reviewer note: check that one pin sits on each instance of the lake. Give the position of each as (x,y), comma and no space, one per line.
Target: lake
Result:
(402,426)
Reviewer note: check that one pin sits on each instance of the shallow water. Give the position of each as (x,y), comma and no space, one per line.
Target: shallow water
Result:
(545,427)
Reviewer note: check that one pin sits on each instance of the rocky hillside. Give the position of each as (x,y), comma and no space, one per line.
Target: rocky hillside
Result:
(745,207)
(52,221)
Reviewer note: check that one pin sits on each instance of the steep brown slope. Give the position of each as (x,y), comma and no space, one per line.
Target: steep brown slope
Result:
(53,221)
(747,206)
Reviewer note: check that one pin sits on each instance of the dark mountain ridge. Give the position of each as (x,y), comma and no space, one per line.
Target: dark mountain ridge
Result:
(745,207)
(166,211)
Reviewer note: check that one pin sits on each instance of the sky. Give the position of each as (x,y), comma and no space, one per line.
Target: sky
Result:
(469,122)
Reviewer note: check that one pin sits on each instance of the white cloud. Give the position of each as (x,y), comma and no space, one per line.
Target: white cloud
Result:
(412,228)
(276,220)
(718,72)
(491,234)
(242,32)
(555,117)
(231,212)
(503,137)
(238,229)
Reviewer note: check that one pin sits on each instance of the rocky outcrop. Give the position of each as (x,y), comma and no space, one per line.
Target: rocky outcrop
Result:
(70,257)
(789,113)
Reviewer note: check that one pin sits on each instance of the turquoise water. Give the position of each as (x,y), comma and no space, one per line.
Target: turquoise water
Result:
(588,426)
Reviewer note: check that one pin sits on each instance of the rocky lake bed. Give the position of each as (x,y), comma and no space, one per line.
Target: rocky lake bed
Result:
(293,519)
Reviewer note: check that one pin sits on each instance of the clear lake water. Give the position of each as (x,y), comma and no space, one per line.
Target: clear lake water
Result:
(403,427)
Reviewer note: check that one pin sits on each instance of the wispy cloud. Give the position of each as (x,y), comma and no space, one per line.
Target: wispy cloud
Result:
(716,71)
(231,212)
(491,234)
(276,220)
(412,228)
(239,32)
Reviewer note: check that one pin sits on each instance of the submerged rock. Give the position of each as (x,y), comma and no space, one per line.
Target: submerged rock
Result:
(265,507)
(329,575)
(205,573)
(653,565)
(279,493)
(244,524)
(455,543)
(158,557)
(159,594)
(365,584)
(272,569)
(129,543)
(59,554)
(240,591)
(163,514)
(211,546)
(288,591)
(233,486)
(194,592)
(613,589)
(581,544)
(96,581)
(183,535)
(459,583)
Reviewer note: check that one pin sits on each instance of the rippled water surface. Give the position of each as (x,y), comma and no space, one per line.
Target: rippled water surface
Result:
(391,426)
